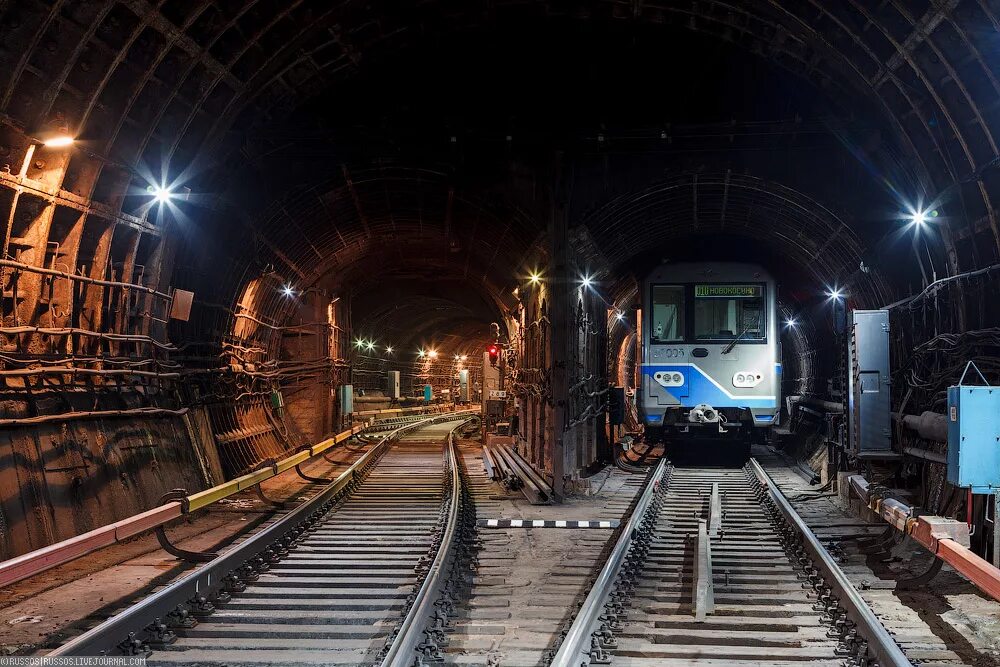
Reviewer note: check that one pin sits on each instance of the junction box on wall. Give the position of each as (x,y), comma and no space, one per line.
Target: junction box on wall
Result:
(974,435)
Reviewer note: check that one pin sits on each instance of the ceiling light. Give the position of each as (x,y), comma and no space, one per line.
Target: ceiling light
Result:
(587,281)
(388,349)
(534,278)
(791,322)
(288,290)
(835,294)
(620,315)
(160,194)
(433,354)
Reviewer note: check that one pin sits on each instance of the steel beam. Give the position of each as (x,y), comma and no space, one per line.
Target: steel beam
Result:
(715,512)
(704,588)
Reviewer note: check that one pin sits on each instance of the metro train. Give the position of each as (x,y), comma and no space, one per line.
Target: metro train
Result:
(711,355)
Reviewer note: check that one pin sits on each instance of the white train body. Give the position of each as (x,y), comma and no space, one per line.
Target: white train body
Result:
(711,360)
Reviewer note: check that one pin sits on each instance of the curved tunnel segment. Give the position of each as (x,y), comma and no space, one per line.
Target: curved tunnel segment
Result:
(235,231)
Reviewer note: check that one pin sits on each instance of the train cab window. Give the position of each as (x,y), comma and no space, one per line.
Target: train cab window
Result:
(668,314)
(725,312)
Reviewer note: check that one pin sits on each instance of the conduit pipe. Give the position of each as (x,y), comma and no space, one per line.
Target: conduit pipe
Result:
(93,414)
(11,264)
(826,406)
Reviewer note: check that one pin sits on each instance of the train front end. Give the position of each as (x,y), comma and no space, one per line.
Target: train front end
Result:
(711,363)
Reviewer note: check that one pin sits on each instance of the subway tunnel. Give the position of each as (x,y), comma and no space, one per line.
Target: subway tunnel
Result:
(236,229)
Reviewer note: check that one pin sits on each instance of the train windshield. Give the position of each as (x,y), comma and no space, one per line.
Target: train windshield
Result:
(668,313)
(725,312)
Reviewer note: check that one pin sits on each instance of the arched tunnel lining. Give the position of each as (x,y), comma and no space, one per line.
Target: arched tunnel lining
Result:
(175,108)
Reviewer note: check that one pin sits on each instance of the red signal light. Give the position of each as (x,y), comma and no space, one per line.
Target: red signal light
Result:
(494,353)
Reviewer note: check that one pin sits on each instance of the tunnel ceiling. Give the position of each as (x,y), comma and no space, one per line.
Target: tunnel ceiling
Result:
(283,108)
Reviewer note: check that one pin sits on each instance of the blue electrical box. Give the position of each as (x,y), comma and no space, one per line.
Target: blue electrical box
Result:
(974,437)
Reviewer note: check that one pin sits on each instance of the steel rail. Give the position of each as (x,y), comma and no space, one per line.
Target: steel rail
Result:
(577,641)
(880,642)
(129,625)
(403,650)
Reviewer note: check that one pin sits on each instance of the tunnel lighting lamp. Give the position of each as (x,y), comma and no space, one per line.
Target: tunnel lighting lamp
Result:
(835,294)
(534,278)
(464,357)
(791,323)
(359,343)
(620,315)
(370,345)
(58,141)
(388,349)
(587,281)
(288,290)
(421,353)
(433,354)
(160,194)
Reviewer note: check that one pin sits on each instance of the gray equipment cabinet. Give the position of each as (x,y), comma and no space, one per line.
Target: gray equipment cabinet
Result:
(868,398)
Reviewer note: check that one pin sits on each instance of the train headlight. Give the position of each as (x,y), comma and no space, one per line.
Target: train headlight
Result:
(747,379)
(669,379)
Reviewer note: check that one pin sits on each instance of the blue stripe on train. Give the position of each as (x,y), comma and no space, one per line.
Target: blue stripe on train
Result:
(701,389)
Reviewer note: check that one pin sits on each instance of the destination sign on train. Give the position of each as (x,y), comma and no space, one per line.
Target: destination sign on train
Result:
(727,291)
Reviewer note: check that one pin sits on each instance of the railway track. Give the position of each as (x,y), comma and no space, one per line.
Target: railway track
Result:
(385,567)
(329,583)
(715,568)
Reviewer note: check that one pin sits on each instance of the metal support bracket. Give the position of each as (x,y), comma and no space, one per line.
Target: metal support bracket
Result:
(161,534)
(921,579)
(259,492)
(309,478)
